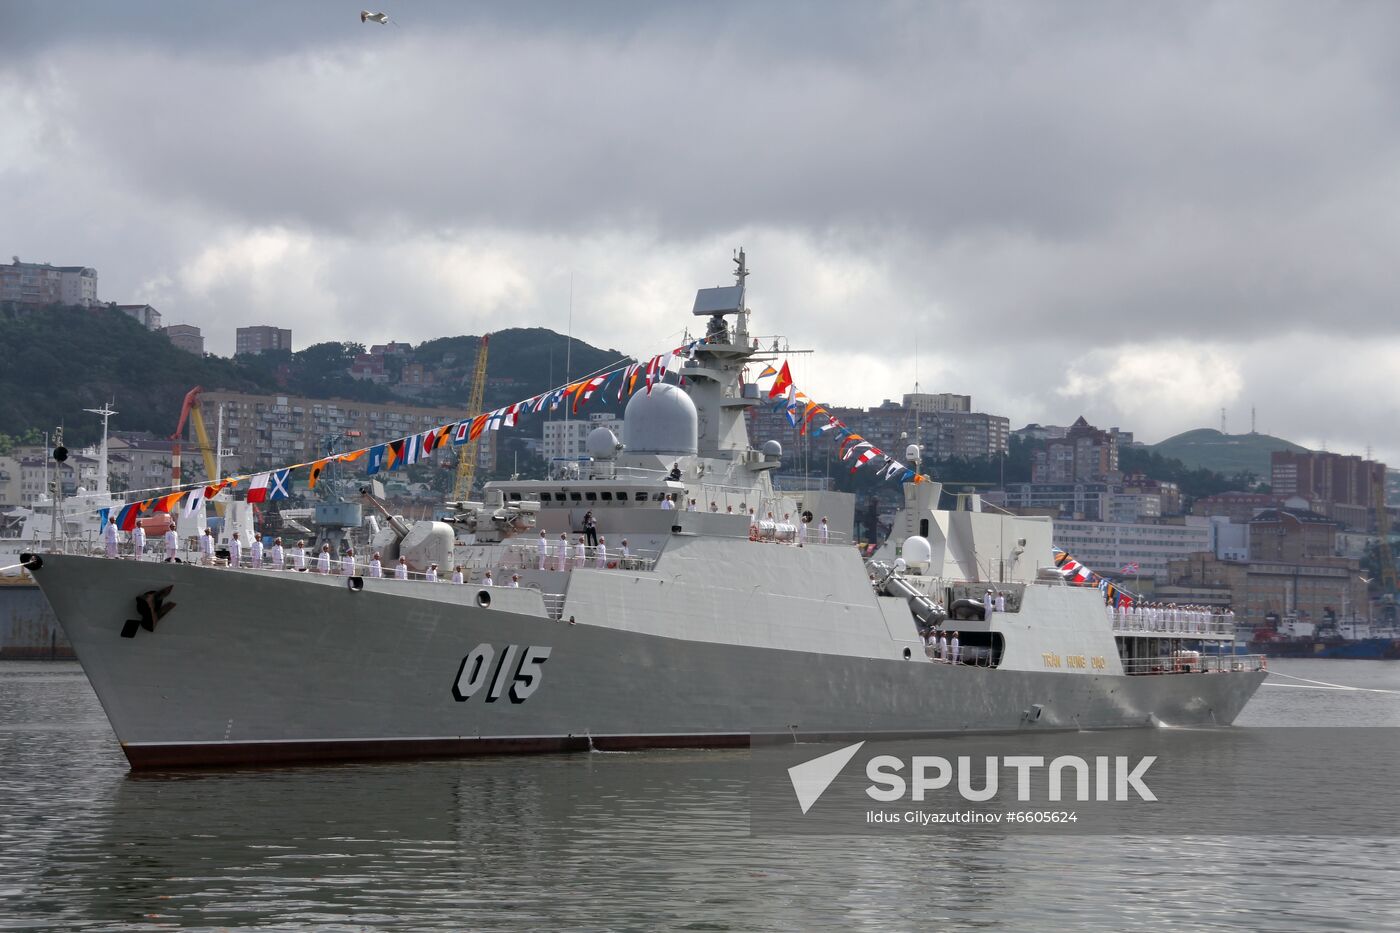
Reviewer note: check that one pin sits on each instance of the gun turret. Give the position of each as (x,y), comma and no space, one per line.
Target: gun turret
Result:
(399,526)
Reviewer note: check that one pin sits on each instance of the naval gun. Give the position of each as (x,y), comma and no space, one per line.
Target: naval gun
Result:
(493,520)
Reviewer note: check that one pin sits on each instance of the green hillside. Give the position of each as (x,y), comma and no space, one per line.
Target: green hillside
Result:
(1207,448)
(58,361)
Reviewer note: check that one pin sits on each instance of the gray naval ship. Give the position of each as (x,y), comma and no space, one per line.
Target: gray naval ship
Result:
(713,627)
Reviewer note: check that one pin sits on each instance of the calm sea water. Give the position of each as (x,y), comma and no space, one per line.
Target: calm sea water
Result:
(652,840)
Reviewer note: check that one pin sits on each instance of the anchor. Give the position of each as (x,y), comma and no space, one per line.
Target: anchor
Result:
(151,607)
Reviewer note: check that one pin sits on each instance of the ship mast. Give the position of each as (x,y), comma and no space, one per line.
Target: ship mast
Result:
(106,412)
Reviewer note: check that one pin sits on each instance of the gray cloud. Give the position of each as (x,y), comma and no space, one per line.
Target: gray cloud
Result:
(1039,191)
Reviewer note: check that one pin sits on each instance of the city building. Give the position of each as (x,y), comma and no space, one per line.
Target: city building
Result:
(138,461)
(9,483)
(370,367)
(261,338)
(1108,547)
(927,403)
(187,337)
(1238,507)
(890,426)
(145,315)
(1264,592)
(274,430)
(1085,454)
(1337,486)
(567,440)
(1075,501)
(39,284)
(1292,535)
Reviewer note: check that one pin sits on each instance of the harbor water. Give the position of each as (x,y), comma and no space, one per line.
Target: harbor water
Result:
(649,840)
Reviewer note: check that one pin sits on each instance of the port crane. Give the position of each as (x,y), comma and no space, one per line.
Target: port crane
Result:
(190,411)
(466,454)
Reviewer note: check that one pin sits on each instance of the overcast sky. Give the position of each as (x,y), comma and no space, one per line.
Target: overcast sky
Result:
(1141,213)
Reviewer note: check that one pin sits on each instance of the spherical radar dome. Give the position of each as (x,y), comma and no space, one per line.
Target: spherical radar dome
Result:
(917,552)
(602,444)
(663,422)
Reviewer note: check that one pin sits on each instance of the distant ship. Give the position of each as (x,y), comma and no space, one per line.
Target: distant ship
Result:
(710,628)
(1358,641)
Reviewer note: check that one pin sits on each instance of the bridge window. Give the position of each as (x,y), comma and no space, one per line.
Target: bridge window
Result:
(923,527)
(591,496)
(545,497)
(575,497)
(622,497)
(607,496)
(515,497)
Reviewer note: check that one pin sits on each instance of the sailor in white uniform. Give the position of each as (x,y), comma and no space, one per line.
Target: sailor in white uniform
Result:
(824,531)
(544,549)
(486,579)
(457,574)
(257,552)
(431,575)
(299,556)
(110,536)
(802,532)
(279,555)
(323,559)
(138,541)
(206,546)
(172,544)
(401,571)
(954,648)
(600,554)
(235,551)
(515,581)
(580,553)
(347,563)
(376,569)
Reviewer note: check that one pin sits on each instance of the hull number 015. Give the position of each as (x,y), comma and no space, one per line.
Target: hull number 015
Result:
(516,673)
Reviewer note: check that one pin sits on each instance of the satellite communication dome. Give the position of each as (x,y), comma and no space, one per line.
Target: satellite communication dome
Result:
(772,450)
(663,422)
(602,444)
(917,552)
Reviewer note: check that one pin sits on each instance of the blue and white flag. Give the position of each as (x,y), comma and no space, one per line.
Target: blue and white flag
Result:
(277,484)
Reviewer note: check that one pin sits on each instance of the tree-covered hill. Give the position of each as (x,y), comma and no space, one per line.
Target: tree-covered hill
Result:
(59,361)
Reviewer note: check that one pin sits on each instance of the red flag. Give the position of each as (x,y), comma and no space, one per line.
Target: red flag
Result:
(782,382)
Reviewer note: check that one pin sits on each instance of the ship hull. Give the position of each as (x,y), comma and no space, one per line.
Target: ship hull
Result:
(1364,649)
(262,668)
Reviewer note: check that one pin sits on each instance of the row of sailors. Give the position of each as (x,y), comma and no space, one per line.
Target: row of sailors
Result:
(277,558)
(1159,617)
(945,649)
(566,556)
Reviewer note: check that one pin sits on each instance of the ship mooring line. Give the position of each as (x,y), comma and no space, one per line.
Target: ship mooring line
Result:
(1323,683)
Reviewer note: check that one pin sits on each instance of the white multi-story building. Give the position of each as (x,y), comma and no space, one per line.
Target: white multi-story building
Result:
(38,283)
(1110,546)
(567,440)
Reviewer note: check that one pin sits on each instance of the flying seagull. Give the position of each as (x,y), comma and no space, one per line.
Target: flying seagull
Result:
(380,18)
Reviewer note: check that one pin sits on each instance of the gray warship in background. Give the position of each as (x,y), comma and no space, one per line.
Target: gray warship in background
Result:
(710,631)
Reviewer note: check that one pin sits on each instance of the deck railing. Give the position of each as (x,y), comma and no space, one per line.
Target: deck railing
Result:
(1192,662)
